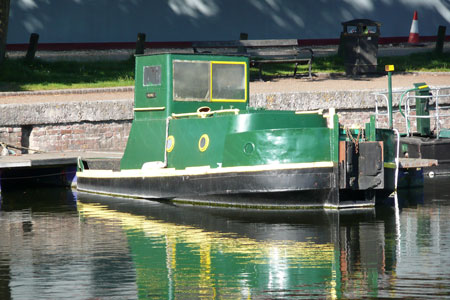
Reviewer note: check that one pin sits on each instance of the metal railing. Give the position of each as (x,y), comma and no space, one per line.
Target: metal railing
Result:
(435,95)
(406,96)
(381,98)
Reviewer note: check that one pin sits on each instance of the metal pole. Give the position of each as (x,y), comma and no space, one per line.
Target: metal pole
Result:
(389,69)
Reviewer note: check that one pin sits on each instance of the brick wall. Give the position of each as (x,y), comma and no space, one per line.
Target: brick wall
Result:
(11,135)
(113,135)
(102,136)
(105,136)
(105,125)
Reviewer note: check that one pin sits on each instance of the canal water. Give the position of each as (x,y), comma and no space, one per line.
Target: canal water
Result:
(57,244)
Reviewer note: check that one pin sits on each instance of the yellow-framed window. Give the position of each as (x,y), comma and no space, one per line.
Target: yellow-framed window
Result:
(228,81)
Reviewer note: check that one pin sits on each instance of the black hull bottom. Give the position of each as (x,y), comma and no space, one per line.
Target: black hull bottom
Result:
(273,189)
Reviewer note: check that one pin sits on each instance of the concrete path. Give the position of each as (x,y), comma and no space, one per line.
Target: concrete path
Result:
(321,83)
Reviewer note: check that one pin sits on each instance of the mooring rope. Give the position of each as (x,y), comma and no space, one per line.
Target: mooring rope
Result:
(38,176)
(6,145)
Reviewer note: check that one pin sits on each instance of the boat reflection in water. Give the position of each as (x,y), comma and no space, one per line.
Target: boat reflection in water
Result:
(190,252)
(54,247)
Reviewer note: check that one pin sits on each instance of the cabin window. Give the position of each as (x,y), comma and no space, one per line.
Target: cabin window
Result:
(229,81)
(217,81)
(191,80)
(152,75)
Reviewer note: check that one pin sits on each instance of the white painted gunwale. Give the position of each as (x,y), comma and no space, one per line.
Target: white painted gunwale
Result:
(202,170)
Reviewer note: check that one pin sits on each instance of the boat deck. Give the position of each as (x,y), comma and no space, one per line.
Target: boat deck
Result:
(58,168)
(53,158)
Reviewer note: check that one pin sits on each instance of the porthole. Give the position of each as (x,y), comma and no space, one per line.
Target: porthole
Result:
(249,148)
(203,143)
(170,143)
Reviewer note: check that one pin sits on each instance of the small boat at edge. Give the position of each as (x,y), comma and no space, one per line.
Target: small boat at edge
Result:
(195,140)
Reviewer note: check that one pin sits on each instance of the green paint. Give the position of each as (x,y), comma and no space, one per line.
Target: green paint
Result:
(145,143)
(423,124)
(390,99)
(277,146)
(444,133)
(165,82)
(221,266)
(267,131)
(334,139)
(388,138)
(201,102)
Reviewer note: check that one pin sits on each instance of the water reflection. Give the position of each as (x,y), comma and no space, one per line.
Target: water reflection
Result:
(245,254)
(102,247)
(48,252)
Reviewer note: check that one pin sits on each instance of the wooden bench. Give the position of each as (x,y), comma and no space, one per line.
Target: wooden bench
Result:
(261,52)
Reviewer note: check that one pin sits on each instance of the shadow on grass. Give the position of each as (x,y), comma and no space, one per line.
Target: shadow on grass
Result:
(428,61)
(20,75)
(335,68)
(15,74)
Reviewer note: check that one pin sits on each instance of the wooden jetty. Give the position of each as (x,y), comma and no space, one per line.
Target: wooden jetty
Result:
(54,168)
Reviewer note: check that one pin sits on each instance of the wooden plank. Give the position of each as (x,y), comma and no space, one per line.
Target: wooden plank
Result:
(245,43)
(270,43)
(275,60)
(216,44)
(51,159)
(407,163)
(273,52)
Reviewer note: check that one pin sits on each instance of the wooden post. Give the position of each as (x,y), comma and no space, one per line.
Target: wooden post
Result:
(4,16)
(440,40)
(140,43)
(340,51)
(32,47)
(242,49)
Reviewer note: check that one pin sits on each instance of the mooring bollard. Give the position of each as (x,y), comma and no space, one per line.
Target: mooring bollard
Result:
(340,51)
(32,47)
(140,43)
(241,49)
(440,40)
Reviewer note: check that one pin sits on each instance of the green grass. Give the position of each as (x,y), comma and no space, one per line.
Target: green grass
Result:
(425,62)
(19,75)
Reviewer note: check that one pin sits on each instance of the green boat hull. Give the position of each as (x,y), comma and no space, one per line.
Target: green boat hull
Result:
(194,139)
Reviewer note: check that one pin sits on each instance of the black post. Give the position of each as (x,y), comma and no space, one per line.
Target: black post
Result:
(440,40)
(241,49)
(4,17)
(32,47)
(140,43)
(340,51)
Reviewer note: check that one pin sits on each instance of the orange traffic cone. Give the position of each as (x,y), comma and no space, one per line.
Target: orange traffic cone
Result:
(414,32)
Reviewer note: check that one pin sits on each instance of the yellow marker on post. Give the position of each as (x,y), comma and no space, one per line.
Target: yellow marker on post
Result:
(389,69)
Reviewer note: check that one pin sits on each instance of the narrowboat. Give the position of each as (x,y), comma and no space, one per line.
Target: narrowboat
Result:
(195,140)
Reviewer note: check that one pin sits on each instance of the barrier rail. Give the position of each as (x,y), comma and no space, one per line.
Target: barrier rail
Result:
(436,94)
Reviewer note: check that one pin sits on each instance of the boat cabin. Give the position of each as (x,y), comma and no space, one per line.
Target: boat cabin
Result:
(192,110)
(175,83)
